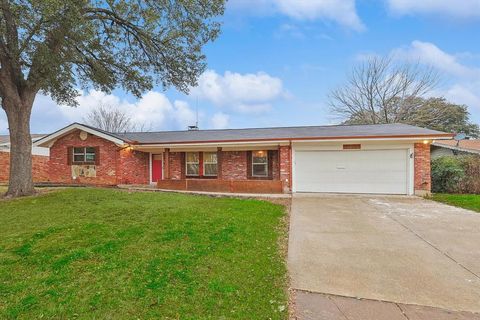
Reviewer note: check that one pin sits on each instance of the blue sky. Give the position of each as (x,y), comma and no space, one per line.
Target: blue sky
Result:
(276,61)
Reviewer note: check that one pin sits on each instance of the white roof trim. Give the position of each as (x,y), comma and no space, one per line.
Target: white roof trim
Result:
(274,142)
(47,141)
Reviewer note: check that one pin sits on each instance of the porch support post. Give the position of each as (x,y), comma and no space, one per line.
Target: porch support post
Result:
(219,163)
(166,164)
(285,158)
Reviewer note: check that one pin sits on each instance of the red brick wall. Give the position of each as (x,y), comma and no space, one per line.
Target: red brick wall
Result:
(234,165)
(117,165)
(422,168)
(175,165)
(40,167)
(4,166)
(133,167)
(215,185)
(61,172)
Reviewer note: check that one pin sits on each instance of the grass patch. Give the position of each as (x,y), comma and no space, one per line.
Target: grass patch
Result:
(467,201)
(110,254)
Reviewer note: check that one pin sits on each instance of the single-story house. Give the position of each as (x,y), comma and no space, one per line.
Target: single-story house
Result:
(455,148)
(40,159)
(383,159)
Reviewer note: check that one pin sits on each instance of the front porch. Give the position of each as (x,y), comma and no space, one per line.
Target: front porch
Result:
(255,168)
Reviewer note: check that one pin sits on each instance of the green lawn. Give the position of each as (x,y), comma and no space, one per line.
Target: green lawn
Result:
(467,201)
(110,254)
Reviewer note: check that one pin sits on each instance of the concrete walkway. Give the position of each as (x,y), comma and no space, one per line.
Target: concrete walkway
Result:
(404,250)
(152,188)
(317,306)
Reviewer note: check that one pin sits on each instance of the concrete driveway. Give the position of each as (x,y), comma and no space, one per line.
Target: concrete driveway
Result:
(390,248)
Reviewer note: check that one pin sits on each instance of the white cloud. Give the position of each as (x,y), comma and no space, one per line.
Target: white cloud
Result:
(429,53)
(254,108)
(342,12)
(462,83)
(241,92)
(290,30)
(220,120)
(184,116)
(153,111)
(457,9)
(466,93)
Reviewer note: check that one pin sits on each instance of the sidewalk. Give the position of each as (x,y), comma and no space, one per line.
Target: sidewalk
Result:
(318,306)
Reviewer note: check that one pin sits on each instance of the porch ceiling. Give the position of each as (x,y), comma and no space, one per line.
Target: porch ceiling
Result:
(209,147)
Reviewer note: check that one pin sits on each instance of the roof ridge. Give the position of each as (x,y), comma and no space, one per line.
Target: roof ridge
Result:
(266,128)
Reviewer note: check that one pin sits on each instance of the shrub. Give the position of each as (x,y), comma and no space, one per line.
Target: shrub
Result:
(460,174)
(471,180)
(447,173)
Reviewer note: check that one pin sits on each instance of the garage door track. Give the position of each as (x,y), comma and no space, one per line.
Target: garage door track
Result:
(404,250)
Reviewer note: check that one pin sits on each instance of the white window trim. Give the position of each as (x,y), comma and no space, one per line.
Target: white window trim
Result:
(187,163)
(265,164)
(205,162)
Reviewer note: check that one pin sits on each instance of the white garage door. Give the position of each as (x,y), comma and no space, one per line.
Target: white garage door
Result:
(352,171)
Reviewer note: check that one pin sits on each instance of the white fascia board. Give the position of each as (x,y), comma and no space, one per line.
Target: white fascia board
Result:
(241,144)
(48,141)
(360,139)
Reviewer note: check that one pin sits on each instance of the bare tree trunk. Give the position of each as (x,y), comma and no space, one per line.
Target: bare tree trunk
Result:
(21,180)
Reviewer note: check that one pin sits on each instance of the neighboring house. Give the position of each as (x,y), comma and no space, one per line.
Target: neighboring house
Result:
(38,151)
(40,159)
(454,148)
(390,159)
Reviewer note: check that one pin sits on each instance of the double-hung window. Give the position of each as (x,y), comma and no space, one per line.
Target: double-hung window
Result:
(192,162)
(210,164)
(84,155)
(201,164)
(259,163)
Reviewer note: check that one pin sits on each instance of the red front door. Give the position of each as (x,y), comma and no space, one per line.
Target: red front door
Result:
(156,167)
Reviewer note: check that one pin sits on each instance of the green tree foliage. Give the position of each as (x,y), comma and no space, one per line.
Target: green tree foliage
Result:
(58,46)
(439,114)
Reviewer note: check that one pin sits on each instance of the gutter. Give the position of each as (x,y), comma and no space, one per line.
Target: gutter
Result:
(446,136)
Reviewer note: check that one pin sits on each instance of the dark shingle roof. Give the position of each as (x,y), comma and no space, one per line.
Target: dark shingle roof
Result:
(308,132)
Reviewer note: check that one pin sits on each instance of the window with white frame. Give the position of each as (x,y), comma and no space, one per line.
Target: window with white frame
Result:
(84,155)
(210,164)
(260,163)
(192,163)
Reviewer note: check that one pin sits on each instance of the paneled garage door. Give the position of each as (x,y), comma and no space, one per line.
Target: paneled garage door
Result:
(352,171)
